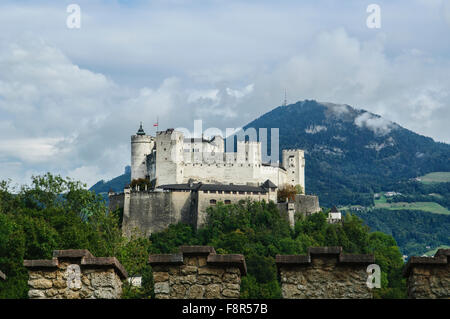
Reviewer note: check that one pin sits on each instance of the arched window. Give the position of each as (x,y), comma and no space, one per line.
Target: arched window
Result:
(212,201)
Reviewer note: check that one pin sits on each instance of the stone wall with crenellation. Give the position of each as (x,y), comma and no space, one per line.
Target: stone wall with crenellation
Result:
(75,274)
(197,272)
(324,273)
(429,277)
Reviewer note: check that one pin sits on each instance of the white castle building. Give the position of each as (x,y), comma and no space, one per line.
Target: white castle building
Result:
(185,176)
(170,158)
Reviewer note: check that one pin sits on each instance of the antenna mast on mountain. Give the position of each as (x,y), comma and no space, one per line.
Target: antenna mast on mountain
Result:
(285,98)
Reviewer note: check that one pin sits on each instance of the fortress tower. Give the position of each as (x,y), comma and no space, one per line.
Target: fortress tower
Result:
(141,146)
(294,164)
(169,157)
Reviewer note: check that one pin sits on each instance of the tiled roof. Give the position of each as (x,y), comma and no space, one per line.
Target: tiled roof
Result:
(219,187)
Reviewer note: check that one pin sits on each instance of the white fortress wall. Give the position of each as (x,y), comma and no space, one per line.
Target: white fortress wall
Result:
(275,174)
(169,155)
(220,173)
(141,146)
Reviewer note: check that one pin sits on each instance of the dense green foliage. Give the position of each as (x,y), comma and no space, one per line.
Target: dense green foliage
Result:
(413,230)
(257,231)
(56,213)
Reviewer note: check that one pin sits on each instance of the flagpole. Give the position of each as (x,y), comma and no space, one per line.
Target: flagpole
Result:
(157,124)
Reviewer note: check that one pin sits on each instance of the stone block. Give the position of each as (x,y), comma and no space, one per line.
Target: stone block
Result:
(187,270)
(162,288)
(211,271)
(35,293)
(196,292)
(178,291)
(160,276)
(40,283)
(230,293)
(212,291)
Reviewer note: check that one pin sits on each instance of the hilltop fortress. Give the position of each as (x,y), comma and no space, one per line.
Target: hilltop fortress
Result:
(187,175)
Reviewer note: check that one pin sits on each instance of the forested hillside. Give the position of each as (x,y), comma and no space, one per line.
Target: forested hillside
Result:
(414,231)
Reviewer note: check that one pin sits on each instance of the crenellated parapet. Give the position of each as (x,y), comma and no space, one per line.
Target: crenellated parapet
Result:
(323,273)
(429,277)
(75,274)
(197,272)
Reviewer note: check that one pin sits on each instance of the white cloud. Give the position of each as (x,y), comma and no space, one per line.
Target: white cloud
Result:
(378,125)
(31,150)
(88,174)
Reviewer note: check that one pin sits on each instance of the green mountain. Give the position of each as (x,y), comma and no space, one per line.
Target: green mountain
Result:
(117,184)
(350,153)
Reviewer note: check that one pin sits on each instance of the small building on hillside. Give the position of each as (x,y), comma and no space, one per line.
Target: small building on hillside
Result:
(334,216)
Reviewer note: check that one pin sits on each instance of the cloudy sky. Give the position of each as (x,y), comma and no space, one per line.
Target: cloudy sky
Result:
(71,98)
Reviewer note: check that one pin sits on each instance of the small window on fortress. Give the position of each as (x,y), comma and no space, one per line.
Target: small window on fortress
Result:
(212,201)
(242,193)
(227,201)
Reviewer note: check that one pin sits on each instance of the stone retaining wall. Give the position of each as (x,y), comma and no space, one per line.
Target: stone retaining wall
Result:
(197,272)
(324,273)
(429,277)
(75,274)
